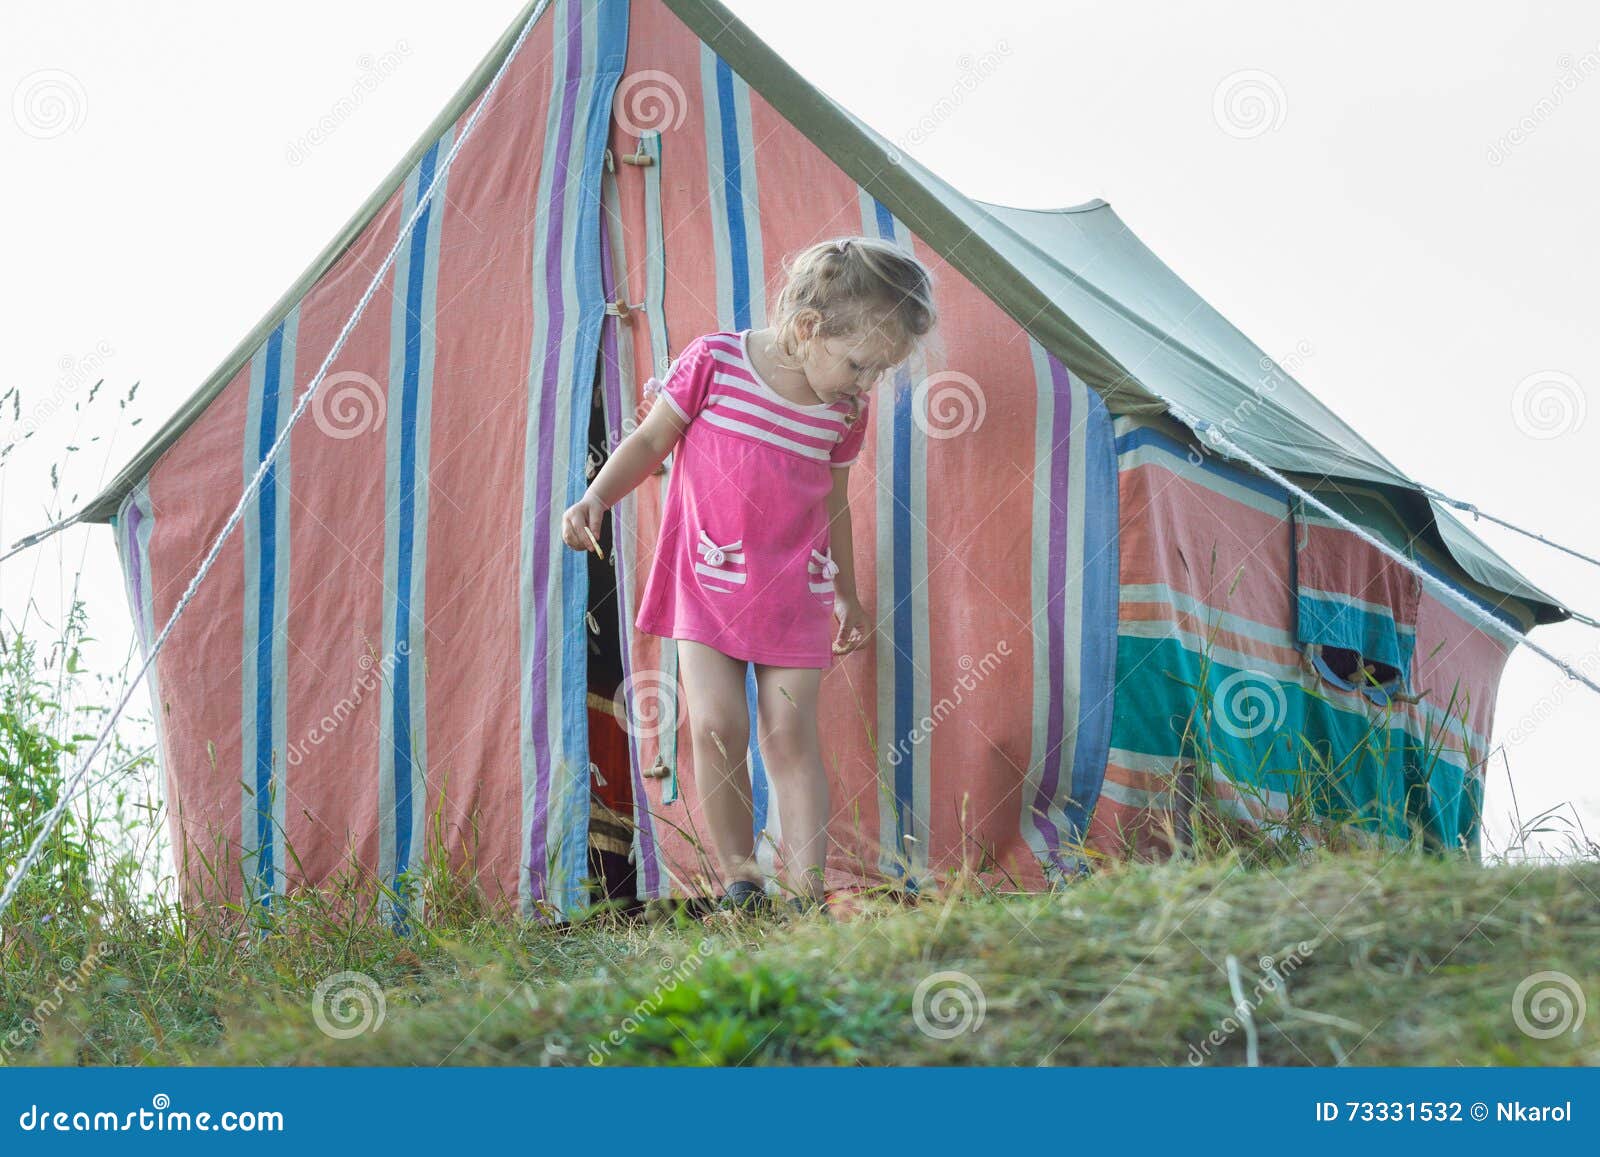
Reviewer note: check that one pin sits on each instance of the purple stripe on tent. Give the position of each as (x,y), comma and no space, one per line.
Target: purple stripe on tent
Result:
(135,567)
(555,259)
(1055,598)
(613,388)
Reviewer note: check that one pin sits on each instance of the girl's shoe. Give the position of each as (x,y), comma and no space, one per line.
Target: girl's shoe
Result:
(804,906)
(744,897)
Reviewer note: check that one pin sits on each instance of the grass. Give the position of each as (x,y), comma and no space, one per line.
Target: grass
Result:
(1412,959)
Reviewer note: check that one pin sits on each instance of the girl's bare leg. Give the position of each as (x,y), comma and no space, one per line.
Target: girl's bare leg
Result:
(786,715)
(719,722)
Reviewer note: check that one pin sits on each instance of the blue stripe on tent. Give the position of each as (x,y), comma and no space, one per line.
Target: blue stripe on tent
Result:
(739,269)
(902,628)
(609,22)
(1239,476)
(1097,638)
(401,680)
(266,602)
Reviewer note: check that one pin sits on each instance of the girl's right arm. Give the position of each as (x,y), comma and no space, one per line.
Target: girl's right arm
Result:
(630,464)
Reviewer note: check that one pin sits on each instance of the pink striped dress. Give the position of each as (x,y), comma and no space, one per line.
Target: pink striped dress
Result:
(743,563)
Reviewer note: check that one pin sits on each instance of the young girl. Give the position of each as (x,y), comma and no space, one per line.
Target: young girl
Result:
(755,559)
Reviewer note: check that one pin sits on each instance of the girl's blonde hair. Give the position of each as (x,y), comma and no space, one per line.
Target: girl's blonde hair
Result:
(856,284)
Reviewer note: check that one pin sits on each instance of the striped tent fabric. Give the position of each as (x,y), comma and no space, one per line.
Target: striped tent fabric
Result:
(387,667)
(1217,610)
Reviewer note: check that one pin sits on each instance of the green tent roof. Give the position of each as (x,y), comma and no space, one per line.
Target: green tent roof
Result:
(1077,279)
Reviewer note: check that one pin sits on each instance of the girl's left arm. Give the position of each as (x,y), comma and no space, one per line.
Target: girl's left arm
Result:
(841,546)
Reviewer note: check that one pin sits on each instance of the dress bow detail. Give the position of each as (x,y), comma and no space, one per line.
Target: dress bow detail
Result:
(716,555)
(829,567)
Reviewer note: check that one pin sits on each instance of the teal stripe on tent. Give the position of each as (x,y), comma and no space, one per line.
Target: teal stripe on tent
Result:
(651,145)
(264,666)
(1337,623)
(1254,726)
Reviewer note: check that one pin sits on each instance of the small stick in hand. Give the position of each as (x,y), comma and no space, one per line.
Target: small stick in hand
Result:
(596,543)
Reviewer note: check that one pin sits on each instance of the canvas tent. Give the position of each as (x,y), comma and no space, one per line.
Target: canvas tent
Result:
(1084,614)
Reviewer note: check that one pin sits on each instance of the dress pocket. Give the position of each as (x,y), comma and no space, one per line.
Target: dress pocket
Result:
(721,568)
(821,570)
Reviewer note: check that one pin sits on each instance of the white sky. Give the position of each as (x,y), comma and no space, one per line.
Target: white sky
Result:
(1387,220)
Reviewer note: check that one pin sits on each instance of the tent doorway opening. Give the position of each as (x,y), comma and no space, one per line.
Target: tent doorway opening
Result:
(611,871)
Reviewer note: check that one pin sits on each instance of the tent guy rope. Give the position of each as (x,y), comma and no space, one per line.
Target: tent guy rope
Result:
(69,792)
(1217,438)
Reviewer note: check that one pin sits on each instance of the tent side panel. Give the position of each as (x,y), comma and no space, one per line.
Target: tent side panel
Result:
(339,663)
(488,294)
(1217,699)
(374,588)
(198,673)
